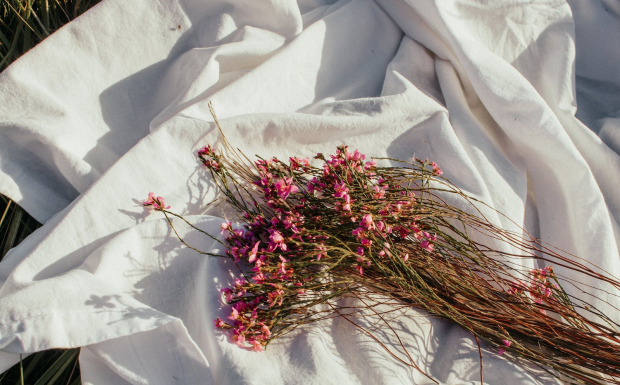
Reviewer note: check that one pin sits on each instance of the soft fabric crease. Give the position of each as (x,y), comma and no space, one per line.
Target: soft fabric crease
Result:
(516,101)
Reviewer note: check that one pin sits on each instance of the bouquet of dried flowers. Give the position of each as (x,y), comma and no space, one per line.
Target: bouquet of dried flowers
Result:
(345,227)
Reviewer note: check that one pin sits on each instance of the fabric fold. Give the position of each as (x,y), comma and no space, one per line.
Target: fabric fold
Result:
(488,91)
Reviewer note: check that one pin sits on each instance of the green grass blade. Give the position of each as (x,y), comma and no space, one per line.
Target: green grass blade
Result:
(23,20)
(34,363)
(3,39)
(58,367)
(77,381)
(12,232)
(63,10)
(46,15)
(43,29)
(21,369)
(6,210)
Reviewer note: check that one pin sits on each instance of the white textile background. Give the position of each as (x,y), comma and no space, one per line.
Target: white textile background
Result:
(114,105)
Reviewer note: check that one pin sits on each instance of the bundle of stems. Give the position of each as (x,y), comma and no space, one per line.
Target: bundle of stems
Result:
(312,236)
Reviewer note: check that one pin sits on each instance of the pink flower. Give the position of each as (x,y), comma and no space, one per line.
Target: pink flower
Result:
(516,287)
(239,336)
(229,295)
(501,350)
(266,331)
(366,242)
(218,323)
(205,151)
(358,156)
(257,346)
(276,237)
(406,257)
(403,232)
(340,190)
(300,291)
(429,236)
(234,314)
(358,232)
(225,226)
(158,203)
(322,250)
(284,187)
(253,252)
(150,200)
(234,251)
(380,226)
(347,202)
(360,270)
(211,164)
(367,222)
(259,278)
(370,164)
(426,245)
(277,240)
(275,297)
(283,264)
(298,162)
(379,193)
(288,222)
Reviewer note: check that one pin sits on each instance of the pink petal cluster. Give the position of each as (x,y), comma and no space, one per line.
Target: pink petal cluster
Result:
(540,289)
(157,203)
(501,350)
(209,158)
(283,241)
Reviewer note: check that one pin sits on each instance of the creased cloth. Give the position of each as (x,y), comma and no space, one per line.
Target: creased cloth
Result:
(518,101)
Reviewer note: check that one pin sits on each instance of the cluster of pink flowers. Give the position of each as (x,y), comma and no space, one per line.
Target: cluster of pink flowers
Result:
(209,158)
(157,203)
(540,288)
(507,344)
(286,232)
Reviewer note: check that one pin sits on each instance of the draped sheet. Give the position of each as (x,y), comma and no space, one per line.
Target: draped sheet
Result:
(517,101)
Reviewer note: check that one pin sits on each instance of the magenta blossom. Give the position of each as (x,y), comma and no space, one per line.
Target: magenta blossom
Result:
(158,203)
(426,245)
(277,240)
(256,346)
(501,350)
(218,323)
(253,252)
(266,331)
(370,164)
(225,226)
(234,314)
(340,190)
(367,222)
(205,151)
(285,186)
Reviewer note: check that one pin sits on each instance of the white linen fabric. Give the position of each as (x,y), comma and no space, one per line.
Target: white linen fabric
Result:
(114,105)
